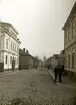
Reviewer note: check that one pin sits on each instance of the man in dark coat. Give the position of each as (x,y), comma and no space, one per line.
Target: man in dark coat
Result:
(56,72)
(61,69)
(48,67)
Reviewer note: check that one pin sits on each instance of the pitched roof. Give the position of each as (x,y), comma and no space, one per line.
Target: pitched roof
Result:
(23,53)
(10,25)
(70,15)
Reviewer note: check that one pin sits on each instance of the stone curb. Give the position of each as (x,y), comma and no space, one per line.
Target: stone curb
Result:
(9,73)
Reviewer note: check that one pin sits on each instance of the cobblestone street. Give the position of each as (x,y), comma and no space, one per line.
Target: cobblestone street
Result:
(33,87)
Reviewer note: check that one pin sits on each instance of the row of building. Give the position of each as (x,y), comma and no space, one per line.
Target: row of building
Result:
(11,57)
(68,55)
(55,60)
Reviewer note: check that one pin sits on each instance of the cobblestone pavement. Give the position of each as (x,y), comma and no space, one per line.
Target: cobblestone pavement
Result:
(33,87)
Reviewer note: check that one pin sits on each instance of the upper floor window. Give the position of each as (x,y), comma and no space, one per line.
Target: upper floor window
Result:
(73,28)
(7,43)
(17,49)
(66,34)
(13,46)
(69,32)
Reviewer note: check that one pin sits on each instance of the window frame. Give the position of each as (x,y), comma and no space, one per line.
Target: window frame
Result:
(6,60)
(69,59)
(6,43)
(73,58)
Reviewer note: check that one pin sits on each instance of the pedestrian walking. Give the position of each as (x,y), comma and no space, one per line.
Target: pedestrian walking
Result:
(56,72)
(60,70)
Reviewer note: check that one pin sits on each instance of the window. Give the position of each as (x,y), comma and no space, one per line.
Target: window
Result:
(73,58)
(13,46)
(66,37)
(11,60)
(73,27)
(68,34)
(17,49)
(69,60)
(17,61)
(6,59)
(7,43)
(66,61)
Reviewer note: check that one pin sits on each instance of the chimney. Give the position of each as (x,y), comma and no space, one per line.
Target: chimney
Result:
(18,39)
(27,52)
(24,49)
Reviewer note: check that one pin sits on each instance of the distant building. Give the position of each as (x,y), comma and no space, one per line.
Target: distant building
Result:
(26,61)
(49,62)
(55,60)
(40,65)
(61,58)
(70,41)
(44,60)
(9,46)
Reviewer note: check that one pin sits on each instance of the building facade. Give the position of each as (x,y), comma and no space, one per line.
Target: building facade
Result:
(44,60)
(61,58)
(70,41)
(26,61)
(9,46)
(49,62)
(55,60)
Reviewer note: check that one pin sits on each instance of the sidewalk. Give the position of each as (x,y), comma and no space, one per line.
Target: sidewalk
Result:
(7,73)
(66,81)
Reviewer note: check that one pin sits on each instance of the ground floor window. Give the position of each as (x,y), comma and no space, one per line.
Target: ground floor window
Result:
(17,61)
(10,59)
(73,58)
(6,58)
(66,61)
(69,60)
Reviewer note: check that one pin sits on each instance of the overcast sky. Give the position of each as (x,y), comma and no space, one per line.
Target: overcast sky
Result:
(39,23)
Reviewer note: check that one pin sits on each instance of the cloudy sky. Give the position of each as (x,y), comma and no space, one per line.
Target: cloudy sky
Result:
(39,23)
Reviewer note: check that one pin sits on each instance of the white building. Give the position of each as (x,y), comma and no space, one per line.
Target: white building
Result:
(9,46)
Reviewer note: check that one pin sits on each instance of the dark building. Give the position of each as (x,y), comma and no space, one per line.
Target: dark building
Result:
(26,61)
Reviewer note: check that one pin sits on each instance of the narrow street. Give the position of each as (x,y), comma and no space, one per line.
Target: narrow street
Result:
(33,87)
